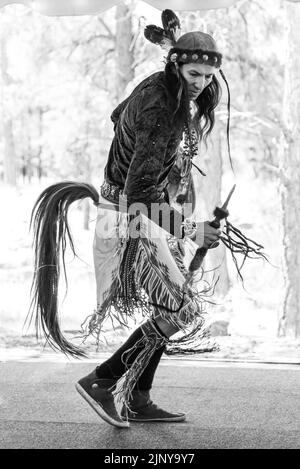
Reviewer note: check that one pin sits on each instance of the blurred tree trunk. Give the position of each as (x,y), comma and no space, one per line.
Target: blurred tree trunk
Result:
(9,157)
(124,49)
(86,214)
(124,57)
(208,189)
(40,148)
(290,177)
(88,175)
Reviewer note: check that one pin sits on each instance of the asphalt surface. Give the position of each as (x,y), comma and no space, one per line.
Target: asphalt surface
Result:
(228,406)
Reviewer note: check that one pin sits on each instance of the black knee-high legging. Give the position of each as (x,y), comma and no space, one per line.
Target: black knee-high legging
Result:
(114,368)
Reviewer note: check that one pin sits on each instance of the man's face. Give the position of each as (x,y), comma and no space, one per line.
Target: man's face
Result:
(198,77)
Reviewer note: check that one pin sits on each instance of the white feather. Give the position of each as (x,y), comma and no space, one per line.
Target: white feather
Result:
(177,33)
(166,44)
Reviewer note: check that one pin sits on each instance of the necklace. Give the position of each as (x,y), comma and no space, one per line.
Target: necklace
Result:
(190,149)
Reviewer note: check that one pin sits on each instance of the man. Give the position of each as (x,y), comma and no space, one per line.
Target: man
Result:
(140,240)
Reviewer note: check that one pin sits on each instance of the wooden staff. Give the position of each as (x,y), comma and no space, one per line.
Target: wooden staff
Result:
(220,213)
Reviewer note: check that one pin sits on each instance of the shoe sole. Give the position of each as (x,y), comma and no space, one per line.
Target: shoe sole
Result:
(97,408)
(171,419)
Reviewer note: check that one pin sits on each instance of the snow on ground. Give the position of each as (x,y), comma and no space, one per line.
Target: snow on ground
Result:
(252,313)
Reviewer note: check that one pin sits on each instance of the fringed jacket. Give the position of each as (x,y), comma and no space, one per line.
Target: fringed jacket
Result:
(144,148)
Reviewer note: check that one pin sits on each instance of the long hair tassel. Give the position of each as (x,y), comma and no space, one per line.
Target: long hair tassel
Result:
(238,243)
(51,232)
(228,118)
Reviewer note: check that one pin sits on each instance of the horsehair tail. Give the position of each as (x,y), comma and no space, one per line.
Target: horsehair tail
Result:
(51,233)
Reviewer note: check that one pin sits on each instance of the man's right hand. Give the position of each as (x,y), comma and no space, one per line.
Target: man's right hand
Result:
(207,236)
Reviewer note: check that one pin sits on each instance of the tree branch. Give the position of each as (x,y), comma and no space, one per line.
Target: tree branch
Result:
(98,36)
(110,34)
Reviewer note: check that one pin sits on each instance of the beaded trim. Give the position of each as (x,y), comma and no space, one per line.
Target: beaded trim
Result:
(110,192)
(190,150)
(190,227)
(113,193)
(196,56)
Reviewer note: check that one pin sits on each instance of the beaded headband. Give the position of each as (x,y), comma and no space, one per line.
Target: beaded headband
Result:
(195,56)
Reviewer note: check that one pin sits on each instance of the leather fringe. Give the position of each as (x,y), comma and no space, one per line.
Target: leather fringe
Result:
(148,344)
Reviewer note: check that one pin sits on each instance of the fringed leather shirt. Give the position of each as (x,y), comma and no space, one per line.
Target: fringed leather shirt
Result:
(144,148)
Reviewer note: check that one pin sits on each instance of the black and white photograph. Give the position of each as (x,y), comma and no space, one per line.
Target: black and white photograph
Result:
(149,241)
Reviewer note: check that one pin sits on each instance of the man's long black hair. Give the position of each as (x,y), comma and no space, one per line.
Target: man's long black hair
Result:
(204,119)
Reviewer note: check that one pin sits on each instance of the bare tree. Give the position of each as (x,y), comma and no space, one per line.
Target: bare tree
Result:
(9,157)
(208,189)
(290,176)
(124,48)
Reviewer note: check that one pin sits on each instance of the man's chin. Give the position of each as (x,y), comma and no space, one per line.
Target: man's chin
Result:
(194,96)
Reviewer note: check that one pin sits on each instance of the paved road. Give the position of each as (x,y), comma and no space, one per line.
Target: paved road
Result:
(228,405)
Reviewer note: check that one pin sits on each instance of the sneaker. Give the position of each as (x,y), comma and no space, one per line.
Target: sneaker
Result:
(142,409)
(98,394)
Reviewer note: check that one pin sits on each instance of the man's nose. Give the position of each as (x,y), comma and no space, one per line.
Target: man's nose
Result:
(200,83)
